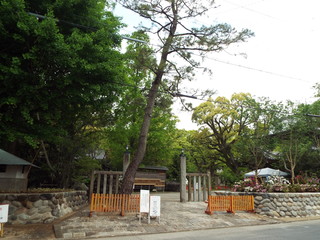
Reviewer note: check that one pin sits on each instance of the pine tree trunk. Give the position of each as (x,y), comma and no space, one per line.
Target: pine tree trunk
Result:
(128,180)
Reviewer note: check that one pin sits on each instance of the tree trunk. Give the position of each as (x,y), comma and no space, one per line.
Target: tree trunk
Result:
(128,180)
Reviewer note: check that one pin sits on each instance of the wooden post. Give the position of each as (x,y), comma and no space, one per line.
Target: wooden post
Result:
(110,183)
(204,188)
(194,188)
(117,183)
(183,176)
(199,188)
(91,185)
(1,229)
(105,176)
(98,184)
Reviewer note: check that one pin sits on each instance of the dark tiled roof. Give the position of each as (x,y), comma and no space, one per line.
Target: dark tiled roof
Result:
(10,159)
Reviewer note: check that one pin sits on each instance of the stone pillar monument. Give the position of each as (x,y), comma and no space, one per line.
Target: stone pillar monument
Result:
(183,177)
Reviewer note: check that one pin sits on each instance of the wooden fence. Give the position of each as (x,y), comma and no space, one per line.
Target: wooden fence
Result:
(199,186)
(115,203)
(230,203)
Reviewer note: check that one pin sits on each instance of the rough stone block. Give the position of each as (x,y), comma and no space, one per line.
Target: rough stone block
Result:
(67,235)
(37,204)
(33,197)
(32,211)
(79,234)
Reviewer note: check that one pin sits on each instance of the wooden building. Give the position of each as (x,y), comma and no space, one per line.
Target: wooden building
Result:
(151,177)
(13,172)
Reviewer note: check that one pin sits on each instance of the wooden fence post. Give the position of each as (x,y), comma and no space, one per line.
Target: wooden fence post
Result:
(110,183)
(98,183)
(91,185)
(205,188)
(105,176)
(117,183)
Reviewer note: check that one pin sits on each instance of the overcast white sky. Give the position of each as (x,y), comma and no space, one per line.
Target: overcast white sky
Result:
(284,53)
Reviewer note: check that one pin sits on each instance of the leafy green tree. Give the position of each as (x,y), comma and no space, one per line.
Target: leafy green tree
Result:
(223,122)
(58,76)
(139,60)
(178,40)
(299,141)
(255,145)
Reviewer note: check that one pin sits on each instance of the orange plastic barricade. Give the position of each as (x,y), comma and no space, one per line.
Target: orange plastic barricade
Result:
(115,203)
(218,203)
(230,204)
(243,203)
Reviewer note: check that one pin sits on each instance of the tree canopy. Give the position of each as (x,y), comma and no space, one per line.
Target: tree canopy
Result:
(59,74)
(178,39)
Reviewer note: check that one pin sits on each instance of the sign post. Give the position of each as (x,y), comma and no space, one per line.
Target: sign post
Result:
(154,207)
(144,203)
(4,210)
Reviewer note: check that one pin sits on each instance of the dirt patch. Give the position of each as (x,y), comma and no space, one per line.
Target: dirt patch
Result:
(30,231)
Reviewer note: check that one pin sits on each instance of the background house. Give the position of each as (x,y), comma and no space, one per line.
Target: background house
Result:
(13,172)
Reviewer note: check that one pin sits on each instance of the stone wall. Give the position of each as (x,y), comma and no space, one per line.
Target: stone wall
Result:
(27,208)
(284,204)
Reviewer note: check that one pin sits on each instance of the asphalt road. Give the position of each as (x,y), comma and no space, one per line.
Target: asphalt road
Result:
(303,230)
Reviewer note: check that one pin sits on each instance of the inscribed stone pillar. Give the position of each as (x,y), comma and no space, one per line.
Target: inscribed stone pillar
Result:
(183,176)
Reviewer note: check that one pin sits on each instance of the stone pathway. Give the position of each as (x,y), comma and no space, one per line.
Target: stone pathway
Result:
(175,216)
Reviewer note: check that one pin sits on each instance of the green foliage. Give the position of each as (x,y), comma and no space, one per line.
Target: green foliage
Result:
(168,20)
(228,177)
(129,111)
(57,77)
(223,122)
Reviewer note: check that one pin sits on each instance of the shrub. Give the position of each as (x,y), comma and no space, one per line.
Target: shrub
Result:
(249,185)
(278,184)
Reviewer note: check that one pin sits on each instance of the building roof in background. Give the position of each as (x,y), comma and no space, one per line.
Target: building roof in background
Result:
(10,159)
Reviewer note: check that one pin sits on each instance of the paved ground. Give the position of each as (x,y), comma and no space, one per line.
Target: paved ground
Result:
(175,216)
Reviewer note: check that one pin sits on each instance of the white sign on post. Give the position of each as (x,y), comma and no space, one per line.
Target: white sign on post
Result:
(154,206)
(144,201)
(4,210)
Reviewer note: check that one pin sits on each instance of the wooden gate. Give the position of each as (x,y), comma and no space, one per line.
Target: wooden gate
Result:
(105,182)
(199,186)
